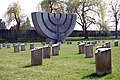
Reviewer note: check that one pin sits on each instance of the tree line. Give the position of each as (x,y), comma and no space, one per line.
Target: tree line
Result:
(89,13)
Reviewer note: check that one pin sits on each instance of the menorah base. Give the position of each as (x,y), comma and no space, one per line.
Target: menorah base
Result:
(48,40)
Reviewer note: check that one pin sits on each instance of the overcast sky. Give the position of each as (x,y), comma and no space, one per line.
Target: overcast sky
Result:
(28,6)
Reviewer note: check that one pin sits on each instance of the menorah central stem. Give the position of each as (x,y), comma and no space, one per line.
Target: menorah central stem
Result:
(58,31)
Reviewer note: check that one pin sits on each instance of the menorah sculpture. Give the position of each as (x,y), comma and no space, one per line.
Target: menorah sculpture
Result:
(55,27)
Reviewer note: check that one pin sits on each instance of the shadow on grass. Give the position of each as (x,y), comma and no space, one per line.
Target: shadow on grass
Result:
(93,76)
(28,66)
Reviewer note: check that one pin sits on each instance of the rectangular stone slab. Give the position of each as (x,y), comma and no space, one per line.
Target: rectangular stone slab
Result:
(55,49)
(103,61)
(36,56)
(46,52)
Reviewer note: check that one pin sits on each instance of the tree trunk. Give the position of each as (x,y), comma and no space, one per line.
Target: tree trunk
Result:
(116,30)
(116,33)
(17,30)
(85,33)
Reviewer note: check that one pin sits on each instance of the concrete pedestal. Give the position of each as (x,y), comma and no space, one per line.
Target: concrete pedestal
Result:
(36,56)
(103,61)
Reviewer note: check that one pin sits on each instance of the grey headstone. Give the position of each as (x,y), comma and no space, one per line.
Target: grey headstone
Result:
(4,44)
(16,48)
(8,45)
(89,50)
(55,49)
(36,56)
(46,52)
(107,44)
(23,47)
(81,48)
(103,61)
(116,43)
(31,46)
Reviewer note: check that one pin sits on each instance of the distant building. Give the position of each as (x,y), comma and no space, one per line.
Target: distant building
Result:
(2,25)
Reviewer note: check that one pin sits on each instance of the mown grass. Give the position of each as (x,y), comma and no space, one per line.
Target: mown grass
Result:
(69,65)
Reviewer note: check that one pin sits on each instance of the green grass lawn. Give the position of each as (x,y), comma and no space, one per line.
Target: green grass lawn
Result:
(69,65)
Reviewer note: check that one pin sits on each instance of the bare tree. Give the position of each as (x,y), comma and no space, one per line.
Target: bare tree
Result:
(115,13)
(14,14)
(51,6)
(85,9)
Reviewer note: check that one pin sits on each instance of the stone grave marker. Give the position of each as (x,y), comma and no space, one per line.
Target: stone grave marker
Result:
(116,43)
(4,44)
(89,50)
(36,56)
(81,48)
(103,61)
(8,45)
(23,47)
(31,46)
(55,49)
(46,51)
(107,44)
(16,48)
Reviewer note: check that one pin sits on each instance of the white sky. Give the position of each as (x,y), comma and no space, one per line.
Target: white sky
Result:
(28,6)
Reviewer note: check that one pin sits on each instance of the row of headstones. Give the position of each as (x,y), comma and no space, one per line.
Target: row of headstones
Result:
(66,42)
(17,46)
(4,45)
(102,57)
(23,46)
(107,45)
(40,53)
(87,42)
